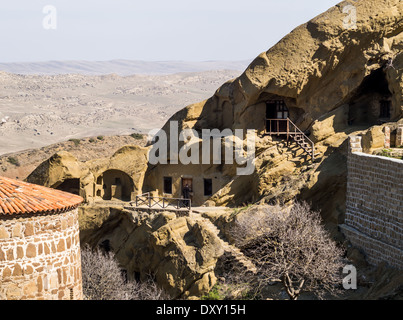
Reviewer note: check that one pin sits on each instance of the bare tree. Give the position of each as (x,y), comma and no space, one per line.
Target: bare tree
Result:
(292,246)
(103,279)
(233,281)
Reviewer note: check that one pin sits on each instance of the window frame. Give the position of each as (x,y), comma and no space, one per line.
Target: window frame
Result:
(165,179)
(204,187)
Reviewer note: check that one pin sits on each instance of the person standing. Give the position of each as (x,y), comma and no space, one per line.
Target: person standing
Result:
(186,194)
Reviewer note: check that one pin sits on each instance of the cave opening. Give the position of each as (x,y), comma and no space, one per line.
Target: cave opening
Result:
(371,104)
(117,185)
(276,110)
(69,185)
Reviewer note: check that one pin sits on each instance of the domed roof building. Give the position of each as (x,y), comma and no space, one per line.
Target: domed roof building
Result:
(39,243)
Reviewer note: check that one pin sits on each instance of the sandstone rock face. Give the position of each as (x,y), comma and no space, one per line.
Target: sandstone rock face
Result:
(118,177)
(374,138)
(330,123)
(317,68)
(335,79)
(56,169)
(181,253)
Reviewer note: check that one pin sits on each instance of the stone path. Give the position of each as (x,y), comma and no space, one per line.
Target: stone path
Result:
(196,214)
(236,253)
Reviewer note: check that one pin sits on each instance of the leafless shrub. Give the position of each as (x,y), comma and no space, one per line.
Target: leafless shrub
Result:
(290,246)
(233,282)
(148,290)
(103,279)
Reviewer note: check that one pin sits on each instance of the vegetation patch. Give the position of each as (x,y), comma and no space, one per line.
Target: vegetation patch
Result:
(13,161)
(137,136)
(390,153)
(75,141)
(214,294)
(290,247)
(103,279)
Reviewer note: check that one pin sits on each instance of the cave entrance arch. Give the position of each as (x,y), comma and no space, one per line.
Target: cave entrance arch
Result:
(69,185)
(371,103)
(276,110)
(116,184)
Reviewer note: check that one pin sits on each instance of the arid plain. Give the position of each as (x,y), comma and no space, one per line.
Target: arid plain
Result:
(37,110)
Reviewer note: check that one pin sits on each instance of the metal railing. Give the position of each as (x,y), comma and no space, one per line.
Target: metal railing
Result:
(149,201)
(288,128)
(277,126)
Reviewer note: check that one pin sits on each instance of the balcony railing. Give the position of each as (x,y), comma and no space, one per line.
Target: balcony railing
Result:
(161,202)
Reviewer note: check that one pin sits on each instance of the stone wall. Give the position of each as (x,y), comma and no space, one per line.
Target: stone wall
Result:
(40,257)
(399,136)
(374,208)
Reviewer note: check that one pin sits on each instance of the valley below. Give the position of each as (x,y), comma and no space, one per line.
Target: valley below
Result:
(37,110)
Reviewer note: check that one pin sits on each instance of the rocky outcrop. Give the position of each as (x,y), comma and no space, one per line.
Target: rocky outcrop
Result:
(93,179)
(324,71)
(333,79)
(63,171)
(59,167)
(179,252)
(317,68)
(332,76)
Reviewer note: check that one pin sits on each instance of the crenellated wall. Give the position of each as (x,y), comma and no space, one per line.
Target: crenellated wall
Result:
(40,257)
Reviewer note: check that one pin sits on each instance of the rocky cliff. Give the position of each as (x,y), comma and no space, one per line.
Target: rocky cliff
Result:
(179,252)
(320,66)
(333,73)
(334,78)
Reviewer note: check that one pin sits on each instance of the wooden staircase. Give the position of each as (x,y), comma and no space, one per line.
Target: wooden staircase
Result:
(291,131)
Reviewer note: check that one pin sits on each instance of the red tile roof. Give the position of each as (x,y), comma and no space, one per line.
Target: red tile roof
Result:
(18,197)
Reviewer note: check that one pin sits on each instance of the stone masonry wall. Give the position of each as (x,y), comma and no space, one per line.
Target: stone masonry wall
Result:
(374,208)
(40,257)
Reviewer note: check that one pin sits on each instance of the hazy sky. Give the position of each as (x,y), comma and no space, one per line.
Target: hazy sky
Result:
(154,30)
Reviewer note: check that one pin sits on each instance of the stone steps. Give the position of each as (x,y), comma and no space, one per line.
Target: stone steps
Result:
(307,150)
(233,251)
(299,138)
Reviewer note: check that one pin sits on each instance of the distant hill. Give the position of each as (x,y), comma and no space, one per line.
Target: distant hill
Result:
(120,67)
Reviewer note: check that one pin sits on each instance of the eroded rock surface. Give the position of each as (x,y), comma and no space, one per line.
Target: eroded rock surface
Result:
(179,252)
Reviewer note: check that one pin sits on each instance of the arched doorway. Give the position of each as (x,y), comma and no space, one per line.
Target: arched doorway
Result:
(116,184)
